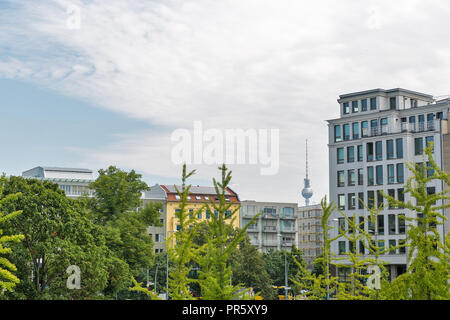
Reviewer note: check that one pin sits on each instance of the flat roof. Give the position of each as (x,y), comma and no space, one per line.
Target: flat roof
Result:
(384,91)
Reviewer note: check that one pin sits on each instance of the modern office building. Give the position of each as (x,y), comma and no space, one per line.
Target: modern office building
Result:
(168,196)
(275,228)
(378,131)
(310,232)
(73,181)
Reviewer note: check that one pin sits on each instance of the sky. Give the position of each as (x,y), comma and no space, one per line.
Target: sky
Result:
(96,83)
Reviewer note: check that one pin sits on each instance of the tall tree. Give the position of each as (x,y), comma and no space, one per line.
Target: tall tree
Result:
(7,279)
(56,235)
(428,272)
(117,191)
(215,272)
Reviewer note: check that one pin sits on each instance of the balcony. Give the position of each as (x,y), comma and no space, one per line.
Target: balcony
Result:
(287,216)
(270,229)
(402,127)
(270,215)
(271,243)
(253,228)
(288,229)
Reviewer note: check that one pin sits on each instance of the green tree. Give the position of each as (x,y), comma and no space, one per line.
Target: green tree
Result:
(215,272)
(180,245)
(57,234)
(8,280)
(116,192)
(428,272)
(248,269)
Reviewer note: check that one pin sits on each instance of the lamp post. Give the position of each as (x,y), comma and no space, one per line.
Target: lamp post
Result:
(167,265)
(328,262)
(285,269)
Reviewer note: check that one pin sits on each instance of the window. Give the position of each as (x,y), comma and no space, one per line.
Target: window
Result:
(361,223)
(401,224)
(341,247)
(351,201)
(361,200)
(369,149)
(380,199)
(381,246)
(208,214)
(400,195)
(400,173)
(351,178)
(364,105)
(350,154)
(341,201)
(198,198)
(393,103)
(371,199)
(430,191)
(347,136)
(199,215)
(355,106)
(421,122)
(346,108)
(373,103)
(418,146)
(370,176)
(429,141)
(391,193)
(340,155)
(402,249)
(177,197)
(351,247)
(399,147)
(341,225)
(361,247)
(430,170)
(379,175)
(379,150)
(391,224)
(360,153)
(380,224)
(355,128)
(360,177)
(337,134)
(390,149)
(228,214)
(341,177)
(374,127)
(391,173)
(384,125)
(392,244)
(365,129)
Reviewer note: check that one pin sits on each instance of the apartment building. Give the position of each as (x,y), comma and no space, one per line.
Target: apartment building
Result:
(169,197)
(378,131)
(310,232)
(73,181)
(275,228)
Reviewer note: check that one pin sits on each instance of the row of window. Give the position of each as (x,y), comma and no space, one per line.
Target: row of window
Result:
(396,225)
(207,214)
(198,198)
(363,129)
(394,172)
(351,201)
(343,246)
(360,105)
(374,151)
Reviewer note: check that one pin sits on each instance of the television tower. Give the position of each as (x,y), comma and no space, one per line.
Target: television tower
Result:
(307,192)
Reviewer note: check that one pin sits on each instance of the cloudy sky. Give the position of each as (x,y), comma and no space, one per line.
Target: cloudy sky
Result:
(113,89)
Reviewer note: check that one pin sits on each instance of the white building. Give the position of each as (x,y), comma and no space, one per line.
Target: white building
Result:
(310,233)
(377,132)
(275,228)
(73,181)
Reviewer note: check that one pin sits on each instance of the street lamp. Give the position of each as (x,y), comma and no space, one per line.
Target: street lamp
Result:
(328,264)
(285,269)
(167,266)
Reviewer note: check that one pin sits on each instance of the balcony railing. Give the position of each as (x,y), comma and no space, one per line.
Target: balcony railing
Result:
(270,229)
(403,127)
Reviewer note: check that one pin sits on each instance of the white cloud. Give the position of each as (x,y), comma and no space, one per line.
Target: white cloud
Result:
(232,64)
